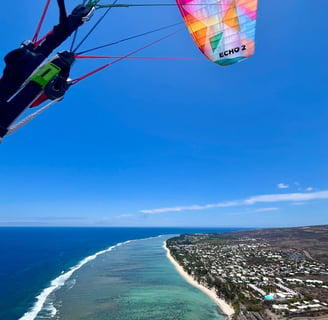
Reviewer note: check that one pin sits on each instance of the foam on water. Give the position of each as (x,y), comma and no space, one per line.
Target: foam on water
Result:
(59,282)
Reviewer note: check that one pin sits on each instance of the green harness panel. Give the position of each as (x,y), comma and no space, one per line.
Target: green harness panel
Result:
(46,74)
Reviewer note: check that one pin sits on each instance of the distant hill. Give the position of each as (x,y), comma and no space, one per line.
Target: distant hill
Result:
(312,240)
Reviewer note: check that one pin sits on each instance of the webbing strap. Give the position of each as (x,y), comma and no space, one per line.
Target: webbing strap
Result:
(121,58)
(44,13)
(29,118)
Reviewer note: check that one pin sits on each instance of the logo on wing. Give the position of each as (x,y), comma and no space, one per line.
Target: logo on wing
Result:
(232,51)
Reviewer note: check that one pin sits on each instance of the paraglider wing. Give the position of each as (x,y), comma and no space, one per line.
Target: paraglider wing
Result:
(224,30)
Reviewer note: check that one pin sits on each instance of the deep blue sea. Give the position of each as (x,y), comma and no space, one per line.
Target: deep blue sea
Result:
(35,259)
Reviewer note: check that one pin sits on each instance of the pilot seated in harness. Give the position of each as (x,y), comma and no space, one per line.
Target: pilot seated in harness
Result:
(22,62)
(24,83)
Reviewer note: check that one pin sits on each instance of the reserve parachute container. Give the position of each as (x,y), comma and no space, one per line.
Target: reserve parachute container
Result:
(223,30)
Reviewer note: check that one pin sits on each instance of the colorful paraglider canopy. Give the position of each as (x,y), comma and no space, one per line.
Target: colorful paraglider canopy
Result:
(224,30)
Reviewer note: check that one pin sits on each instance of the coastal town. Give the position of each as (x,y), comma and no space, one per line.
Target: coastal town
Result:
(259,280)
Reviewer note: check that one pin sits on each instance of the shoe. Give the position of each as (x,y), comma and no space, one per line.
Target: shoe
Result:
(84,12)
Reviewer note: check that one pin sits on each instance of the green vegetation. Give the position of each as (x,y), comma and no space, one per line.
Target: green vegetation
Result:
(243,270)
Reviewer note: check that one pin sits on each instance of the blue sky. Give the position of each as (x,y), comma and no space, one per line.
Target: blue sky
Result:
(176,142)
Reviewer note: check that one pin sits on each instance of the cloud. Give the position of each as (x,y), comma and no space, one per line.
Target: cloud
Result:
(287,197)
(193,207)
(239,213)
(266,209)
(309,189)
(282,186)
(268,198)
(125,216)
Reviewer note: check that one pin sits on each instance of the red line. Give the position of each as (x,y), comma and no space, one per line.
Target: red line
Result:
(121,58)
(37,32)
(90,74)
(37,43)
(118,57)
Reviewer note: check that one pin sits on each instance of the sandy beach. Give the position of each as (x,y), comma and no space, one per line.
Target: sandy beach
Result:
(224,306)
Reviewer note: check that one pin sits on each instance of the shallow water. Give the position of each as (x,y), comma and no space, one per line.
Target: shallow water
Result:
(134,281)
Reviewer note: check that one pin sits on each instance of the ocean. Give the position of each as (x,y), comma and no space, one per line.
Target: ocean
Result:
(95,273)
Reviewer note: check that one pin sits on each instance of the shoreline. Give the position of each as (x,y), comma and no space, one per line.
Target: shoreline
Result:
(223,305)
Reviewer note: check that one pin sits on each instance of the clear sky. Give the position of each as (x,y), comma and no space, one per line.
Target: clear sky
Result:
(176,142)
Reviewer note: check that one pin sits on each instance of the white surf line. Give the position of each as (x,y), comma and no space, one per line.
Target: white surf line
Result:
(60,281)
